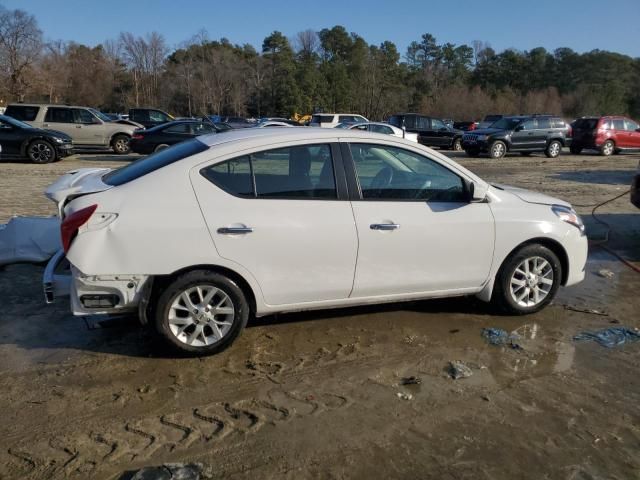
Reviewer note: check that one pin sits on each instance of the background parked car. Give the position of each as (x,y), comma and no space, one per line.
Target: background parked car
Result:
(524,134)
(238,122)
(432,132)
(81,123)
(330,120)
(167,134)
(608,135)
(465,126)
(149,117)
(272,123)
(21,140)
(384,128)
(292,123)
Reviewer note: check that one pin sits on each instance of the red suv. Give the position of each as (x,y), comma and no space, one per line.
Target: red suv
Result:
(605,134)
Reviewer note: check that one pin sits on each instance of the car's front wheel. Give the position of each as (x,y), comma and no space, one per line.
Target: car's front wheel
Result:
(528,280)
(201,313)
(120,144)
(41,151)
(498,149)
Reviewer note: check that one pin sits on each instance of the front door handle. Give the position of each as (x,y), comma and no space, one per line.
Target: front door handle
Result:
(384,226)
(235,230)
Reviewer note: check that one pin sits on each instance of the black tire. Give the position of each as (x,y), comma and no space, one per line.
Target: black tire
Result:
(160,147)
(498,149)
(575,150)
(457,144)
(190,280)
(120,144)
(554,149)
(608,148)
(502,295)
(41,152)
(472,153)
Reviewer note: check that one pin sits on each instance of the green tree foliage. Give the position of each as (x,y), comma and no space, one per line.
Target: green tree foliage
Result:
(330,70)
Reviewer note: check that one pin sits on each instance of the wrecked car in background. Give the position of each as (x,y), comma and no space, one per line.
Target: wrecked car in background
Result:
(201,235)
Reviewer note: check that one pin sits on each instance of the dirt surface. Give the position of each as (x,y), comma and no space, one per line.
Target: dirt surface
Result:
(316,395)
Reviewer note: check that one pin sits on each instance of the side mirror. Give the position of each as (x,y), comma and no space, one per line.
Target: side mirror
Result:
(473,192)
(638,130)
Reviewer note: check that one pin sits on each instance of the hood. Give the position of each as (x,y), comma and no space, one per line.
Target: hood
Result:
(57,133)
(124,121)
(75,184)
(484,131)
(530,196)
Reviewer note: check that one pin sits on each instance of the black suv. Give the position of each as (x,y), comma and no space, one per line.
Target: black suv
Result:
(524,134)
(432,132)
(149,117)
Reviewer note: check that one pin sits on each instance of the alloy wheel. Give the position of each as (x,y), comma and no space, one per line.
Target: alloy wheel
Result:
(607,148)
(121,145)
(497,150)
(531,281)
(554,149)
(40,152)
(201,316)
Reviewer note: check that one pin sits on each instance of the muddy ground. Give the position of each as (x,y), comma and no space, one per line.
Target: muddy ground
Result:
(315,395)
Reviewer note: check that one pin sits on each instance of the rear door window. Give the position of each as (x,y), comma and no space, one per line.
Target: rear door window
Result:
(618,124)
(302,172)
(25,113)
(322,119)
(59,115)
(544,123)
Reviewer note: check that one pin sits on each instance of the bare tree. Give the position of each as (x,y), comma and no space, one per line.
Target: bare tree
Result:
(306,42)
(20,47)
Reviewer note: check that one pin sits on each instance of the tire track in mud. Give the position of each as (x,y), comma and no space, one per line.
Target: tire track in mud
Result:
(145,438)
(197,427)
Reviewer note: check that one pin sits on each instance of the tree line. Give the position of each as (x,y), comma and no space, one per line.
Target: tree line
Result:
(330,70)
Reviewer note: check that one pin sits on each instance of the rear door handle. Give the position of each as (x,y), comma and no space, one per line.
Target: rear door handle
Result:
(235,230)
(384,226)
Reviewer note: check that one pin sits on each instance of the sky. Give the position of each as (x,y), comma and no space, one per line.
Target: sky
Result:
(583,25)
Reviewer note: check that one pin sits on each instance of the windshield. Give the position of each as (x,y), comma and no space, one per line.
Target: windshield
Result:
(506,123)
(100,115)
(153,162)
(14,122)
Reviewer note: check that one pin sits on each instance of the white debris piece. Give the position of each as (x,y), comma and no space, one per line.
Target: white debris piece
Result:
(29,239)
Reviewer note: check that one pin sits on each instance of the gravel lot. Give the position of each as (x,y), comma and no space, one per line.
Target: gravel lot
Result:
(315,395)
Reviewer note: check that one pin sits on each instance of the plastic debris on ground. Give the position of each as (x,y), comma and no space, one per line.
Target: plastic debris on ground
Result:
(610,337)
(459,370)
(410,381)
(501,338)
(29,239)
(604,273)
(404,396)
(170,471)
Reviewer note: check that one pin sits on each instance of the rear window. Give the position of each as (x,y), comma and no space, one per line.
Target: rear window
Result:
(153,162)
(585,124)
(22,112)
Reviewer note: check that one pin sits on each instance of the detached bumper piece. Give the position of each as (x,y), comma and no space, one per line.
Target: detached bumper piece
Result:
(56,280)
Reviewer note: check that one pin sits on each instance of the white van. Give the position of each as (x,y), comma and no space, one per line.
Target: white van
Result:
(330,120)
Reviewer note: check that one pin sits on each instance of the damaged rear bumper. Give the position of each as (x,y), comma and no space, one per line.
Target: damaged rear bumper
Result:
(94,294)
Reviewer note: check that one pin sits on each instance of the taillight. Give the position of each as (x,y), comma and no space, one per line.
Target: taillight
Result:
(137,136)
(570,132)
(71,224)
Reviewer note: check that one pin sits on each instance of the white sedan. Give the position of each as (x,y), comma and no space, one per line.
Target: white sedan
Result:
(200,236)
(379,127)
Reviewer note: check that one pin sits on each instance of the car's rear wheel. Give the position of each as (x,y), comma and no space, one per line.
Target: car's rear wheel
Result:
(120,144)
(553,149)
(41,151)
(528,280)
(201,313)
(498,149)
(457,144)
(575,150)
(607,148)
(160,147)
